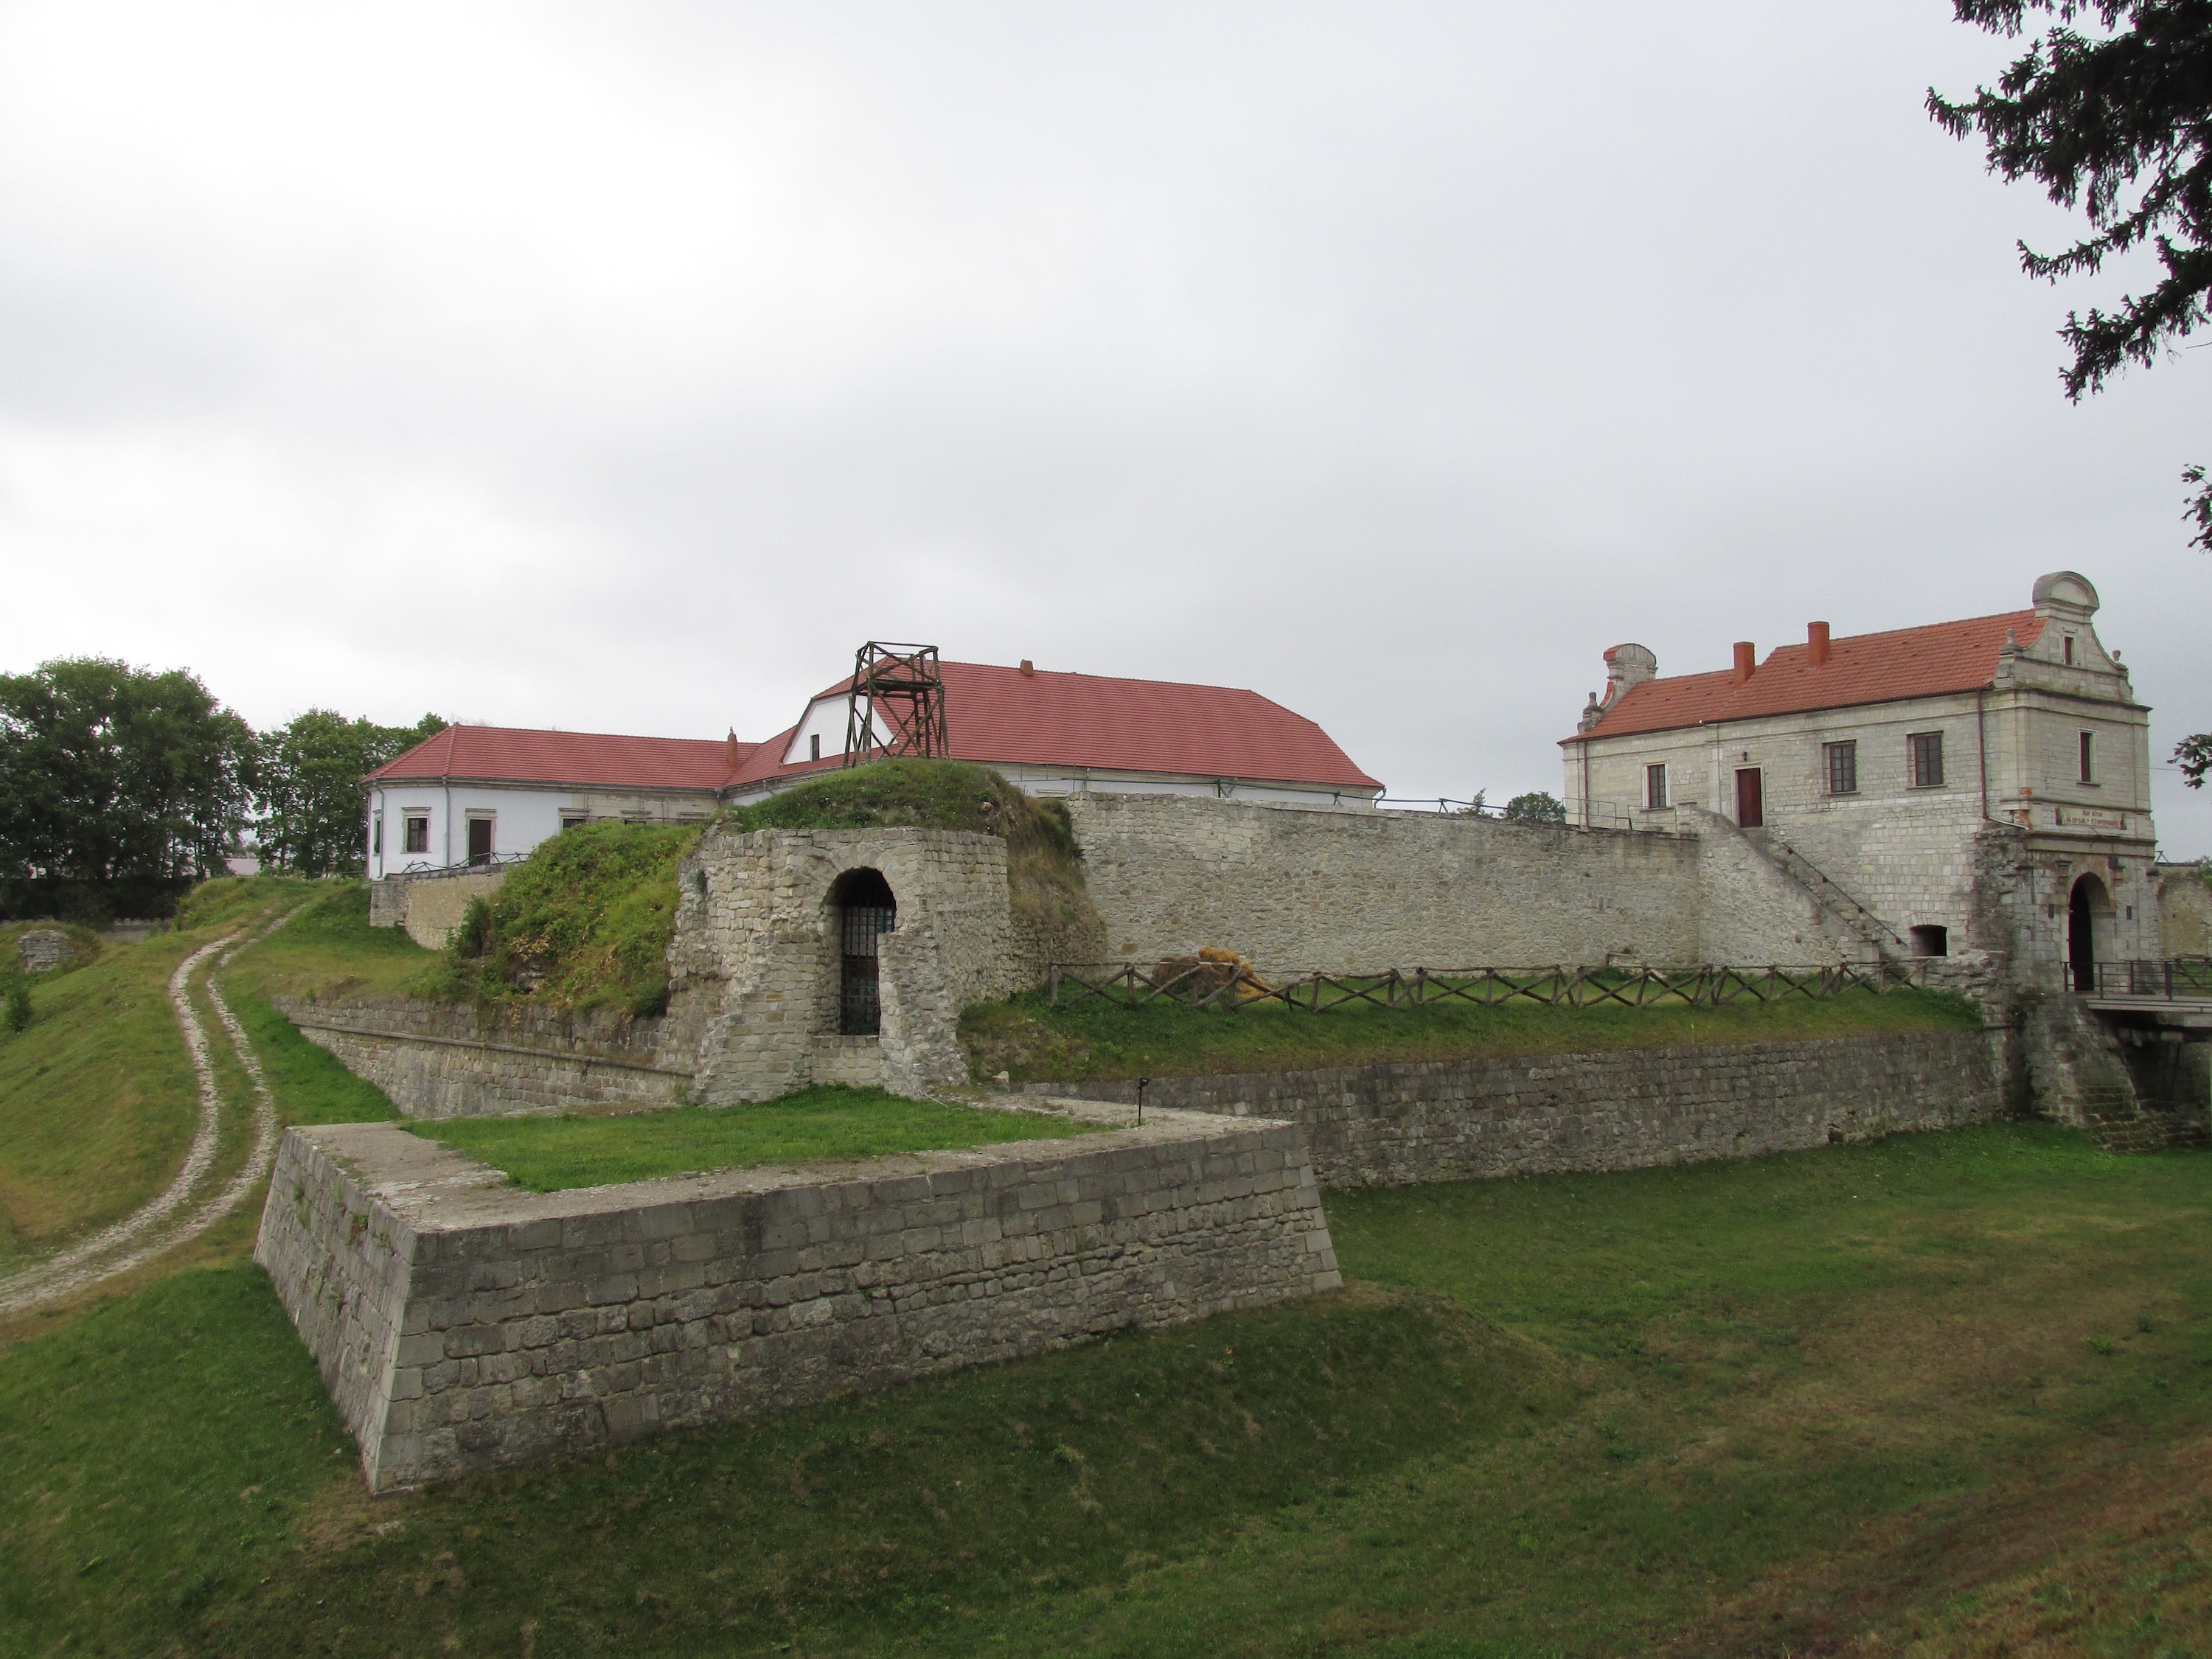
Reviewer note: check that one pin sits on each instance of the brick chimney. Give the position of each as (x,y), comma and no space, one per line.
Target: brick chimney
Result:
(1816,644)
(1747,661)
(1029,668)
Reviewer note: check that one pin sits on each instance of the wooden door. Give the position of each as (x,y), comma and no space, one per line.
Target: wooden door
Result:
(479,841)
(1750,799)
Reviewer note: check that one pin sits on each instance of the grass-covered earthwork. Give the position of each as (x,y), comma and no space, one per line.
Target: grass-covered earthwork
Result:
(1044,871)
(583,923)
(1938,1395)
(829,1122)
(1031,1039)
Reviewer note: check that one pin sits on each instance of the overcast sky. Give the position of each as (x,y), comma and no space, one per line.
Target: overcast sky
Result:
(622,367)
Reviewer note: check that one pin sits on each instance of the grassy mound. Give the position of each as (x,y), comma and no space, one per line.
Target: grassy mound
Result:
(1044,869)
(550,1154)
(583,924)
(1032,1041)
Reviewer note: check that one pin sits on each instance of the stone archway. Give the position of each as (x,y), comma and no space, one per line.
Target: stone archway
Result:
(862,910)
(2088,925)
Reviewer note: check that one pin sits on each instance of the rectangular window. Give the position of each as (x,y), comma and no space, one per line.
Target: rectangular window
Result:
(1927,759)
(2070,650)
(1655,786)
(1843,767)
(572,820)
(2088,757)
(814,747)
(376,836)
(418,832)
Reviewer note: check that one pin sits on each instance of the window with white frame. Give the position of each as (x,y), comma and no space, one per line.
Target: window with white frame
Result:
(418,832)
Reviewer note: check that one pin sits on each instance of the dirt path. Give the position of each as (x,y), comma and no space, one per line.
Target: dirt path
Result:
(157,1227)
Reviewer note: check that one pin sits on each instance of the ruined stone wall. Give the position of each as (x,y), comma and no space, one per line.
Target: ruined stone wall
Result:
(428,906)
(463,1325)
(1401,1123)
(755,960)
(445,1060)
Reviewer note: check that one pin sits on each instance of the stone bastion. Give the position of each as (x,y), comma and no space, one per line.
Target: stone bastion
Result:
(462,1324)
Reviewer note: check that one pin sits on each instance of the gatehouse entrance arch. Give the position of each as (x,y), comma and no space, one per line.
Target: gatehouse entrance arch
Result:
(2089,912)
(863,909)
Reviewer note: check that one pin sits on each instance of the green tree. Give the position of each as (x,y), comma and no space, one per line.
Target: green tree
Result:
(2119,125)
(1535,807)
(310,796)
(118,788)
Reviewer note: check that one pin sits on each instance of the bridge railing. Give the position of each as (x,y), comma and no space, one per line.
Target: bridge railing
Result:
(1197,982)
(2174,978)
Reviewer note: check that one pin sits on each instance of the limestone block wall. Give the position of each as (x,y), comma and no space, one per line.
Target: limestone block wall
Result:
(2185,911)
(1298,891)
(444,1060)
(1399,1124)
(755,959)
(428,906)
(463,1325)
(1750,910)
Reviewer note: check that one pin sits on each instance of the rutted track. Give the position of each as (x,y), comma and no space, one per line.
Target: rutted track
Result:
(158,1227)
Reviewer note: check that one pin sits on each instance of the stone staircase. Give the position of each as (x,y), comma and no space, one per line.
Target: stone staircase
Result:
(1887,944)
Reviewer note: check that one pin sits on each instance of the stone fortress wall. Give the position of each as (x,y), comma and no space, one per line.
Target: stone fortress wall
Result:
(1399,1124)
(447,1059)
(461,1325)
(1299,890)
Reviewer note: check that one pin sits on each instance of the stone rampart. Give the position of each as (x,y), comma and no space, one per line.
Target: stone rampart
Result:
(1405,1122)
(463,1325)
(447,1059)
(1294,889)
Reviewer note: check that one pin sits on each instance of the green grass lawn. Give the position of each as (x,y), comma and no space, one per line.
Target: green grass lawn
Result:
(1033,1040)
(97,1100)
(546,1154)
(1951,1390)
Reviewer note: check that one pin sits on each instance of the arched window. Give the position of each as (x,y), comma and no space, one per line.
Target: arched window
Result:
(864,911)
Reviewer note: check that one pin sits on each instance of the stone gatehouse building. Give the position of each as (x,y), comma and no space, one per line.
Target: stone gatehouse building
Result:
(1982,783)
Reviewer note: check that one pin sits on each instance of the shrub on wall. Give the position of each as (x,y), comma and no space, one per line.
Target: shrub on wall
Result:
(584,923)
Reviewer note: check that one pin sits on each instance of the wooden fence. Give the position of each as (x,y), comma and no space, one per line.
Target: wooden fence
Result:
(1227,986)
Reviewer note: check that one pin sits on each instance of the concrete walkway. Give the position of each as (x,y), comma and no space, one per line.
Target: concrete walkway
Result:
(173,1217)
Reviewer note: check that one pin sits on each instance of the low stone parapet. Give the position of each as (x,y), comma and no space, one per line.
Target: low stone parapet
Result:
(463,1325)
(1402,1122)
(444,1059)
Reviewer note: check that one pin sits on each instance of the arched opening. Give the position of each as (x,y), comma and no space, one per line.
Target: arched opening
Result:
(865,911)
(1929,940)
(2085,911)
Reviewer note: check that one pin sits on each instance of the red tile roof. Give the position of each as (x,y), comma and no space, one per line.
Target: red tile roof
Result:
(590,759)
(1861,668)
(1002,716)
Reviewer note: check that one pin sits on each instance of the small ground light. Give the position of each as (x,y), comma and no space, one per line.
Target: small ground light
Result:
(1143,1083)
